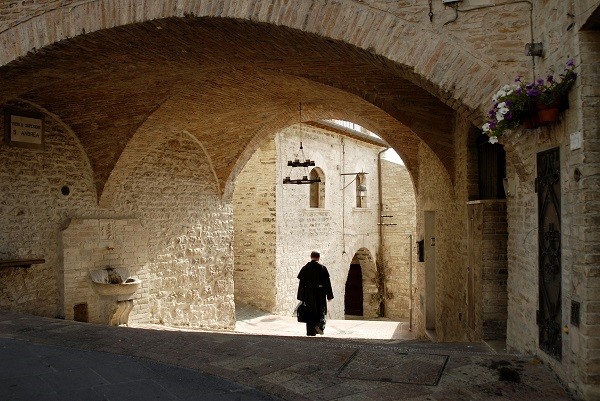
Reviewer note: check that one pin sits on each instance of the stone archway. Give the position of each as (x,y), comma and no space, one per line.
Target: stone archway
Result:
(371,300)
(386,39)
(393,33)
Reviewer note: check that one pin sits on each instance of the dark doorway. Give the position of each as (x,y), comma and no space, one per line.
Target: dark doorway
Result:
(353,302)
(491,160)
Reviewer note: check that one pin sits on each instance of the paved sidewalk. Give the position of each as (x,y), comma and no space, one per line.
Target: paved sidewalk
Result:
(234,366)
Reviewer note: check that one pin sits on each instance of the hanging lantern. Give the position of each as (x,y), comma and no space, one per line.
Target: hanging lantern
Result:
(305,163)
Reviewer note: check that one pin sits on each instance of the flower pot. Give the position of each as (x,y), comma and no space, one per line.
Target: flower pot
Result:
(548,114)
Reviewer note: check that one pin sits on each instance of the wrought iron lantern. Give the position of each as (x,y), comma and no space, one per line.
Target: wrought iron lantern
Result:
(301,162)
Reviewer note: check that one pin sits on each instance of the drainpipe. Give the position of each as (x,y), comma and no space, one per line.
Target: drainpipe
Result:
(380,216)
(380,194)
(342,169)
(410,291)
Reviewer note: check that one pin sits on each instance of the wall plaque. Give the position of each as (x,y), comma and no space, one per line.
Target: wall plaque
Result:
(24,129)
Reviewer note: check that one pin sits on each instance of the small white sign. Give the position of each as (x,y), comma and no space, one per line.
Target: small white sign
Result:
(576,139)
(26,130)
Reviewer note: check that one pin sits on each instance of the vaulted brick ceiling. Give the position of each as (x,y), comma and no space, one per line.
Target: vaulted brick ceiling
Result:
(223,81)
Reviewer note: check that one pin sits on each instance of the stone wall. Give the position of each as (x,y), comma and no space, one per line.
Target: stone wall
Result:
(93,244)
(190,242)
(301,229)
(254,230)
(487,274)
(33,210)
(398,234)
(438,193)
(188,271)
(585,200)
(339,229)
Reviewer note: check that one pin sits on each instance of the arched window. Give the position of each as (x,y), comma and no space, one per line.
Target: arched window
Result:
(361,190)
(317,189)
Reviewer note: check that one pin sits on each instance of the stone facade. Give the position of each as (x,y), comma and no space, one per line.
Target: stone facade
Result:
(95,244)
(271,247)
(487,269)
(422,83)
(398,239)
(182,254)
(255,236)
(35,212)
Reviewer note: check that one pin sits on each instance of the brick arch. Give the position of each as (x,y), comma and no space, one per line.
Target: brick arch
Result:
(397,37)
(204,123)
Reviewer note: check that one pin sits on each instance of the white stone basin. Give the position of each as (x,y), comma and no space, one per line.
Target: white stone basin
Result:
(114,282)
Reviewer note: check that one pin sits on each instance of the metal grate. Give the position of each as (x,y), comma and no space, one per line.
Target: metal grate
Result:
(411,368)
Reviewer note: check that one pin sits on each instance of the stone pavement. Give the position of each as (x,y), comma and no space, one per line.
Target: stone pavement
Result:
(52,359)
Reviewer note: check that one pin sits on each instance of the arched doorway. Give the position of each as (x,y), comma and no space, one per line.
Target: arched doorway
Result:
(353,301)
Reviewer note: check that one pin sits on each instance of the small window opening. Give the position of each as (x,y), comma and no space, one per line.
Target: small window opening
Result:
(361,190)
(317,189)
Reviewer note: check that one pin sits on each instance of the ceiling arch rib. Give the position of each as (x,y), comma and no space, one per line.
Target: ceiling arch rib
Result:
(105,85)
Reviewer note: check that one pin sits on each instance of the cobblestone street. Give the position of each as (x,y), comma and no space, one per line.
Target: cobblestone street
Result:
(54,359)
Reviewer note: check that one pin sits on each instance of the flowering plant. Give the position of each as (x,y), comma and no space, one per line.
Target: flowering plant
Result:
(552,91)
(513,103)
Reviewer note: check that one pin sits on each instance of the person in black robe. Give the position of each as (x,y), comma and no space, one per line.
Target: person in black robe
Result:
(314,290)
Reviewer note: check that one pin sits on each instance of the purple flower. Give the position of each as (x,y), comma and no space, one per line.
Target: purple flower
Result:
(528,86)
(508,116)
(533,92)
(492,124)
(540,82)
(550,78)
(508,103)
(518,91)
(571,63)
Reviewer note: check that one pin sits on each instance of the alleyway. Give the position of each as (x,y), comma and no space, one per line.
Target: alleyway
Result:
(54,359)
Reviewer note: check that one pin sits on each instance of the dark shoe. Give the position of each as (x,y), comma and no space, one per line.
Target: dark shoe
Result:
(319,330)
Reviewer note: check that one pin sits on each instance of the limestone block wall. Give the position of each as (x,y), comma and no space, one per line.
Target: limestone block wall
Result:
(585,200)
(92,244)
(33,210)
(398,201)
(254,222)
(190,241)
(437,193)
(579,241)
(188,274)
(339,229)
(487,275)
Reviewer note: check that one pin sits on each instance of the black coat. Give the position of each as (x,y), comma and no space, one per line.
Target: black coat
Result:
(314,290)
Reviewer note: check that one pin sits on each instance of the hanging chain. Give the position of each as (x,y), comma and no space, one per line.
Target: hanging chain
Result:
(431,10)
